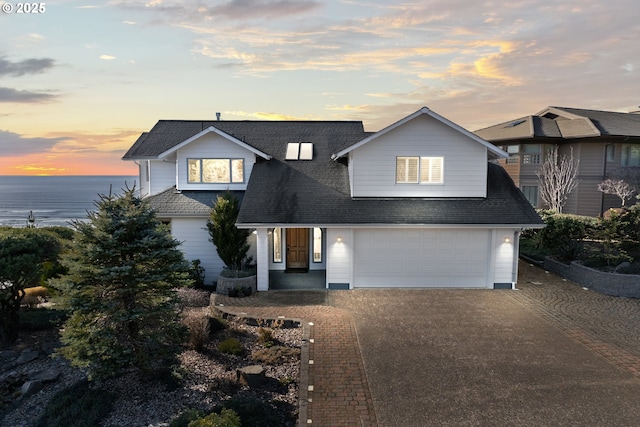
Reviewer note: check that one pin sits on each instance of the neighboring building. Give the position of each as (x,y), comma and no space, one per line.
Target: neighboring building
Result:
(417,204)
(606,143)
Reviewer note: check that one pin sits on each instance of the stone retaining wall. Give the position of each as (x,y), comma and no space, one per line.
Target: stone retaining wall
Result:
(226,283)
(619,285)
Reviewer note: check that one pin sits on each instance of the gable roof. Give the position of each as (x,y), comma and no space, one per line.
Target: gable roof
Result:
(279,196)
(424,111)
(566,123)
(265,138)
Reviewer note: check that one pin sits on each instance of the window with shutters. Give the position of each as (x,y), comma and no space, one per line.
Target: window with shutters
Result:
(423,170)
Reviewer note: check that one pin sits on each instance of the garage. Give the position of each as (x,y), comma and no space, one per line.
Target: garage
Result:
(415,257)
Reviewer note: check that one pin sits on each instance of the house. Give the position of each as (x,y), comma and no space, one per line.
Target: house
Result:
(417,204)
(606,144)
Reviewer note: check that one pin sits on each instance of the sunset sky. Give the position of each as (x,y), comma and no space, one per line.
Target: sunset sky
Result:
(81,80)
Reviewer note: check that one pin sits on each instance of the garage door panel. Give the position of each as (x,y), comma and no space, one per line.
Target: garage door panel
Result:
(421,258)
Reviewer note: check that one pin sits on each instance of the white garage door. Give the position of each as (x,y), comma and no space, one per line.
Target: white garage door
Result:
(421,258)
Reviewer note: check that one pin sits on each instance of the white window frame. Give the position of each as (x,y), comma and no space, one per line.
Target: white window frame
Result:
(425,171)
(200,171)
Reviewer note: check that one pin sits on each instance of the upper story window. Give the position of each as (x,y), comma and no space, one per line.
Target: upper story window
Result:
(221,171)
(532,154)
(630,155)
(611,153)
(424,170)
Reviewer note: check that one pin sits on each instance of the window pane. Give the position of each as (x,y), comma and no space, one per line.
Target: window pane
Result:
(431,172)
(513,149)
(215,170)
(194,170)
(317,245)
(532,148)
(611,153)
(237,170)
(277,245)
(407,169)
(531,193)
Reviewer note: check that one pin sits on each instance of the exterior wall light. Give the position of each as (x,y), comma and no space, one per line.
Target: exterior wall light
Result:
(339,239)
(507,240)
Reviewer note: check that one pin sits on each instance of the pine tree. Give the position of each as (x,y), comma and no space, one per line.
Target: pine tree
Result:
(120,288)
(230,241)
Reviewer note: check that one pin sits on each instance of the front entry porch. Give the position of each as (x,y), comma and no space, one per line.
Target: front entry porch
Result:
(311,280)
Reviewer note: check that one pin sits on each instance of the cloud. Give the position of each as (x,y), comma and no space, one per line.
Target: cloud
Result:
(24,96)
(13,144)
(107,57)
(27,66)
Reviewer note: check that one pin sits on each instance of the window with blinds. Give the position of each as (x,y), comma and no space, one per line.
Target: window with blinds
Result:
(424,170)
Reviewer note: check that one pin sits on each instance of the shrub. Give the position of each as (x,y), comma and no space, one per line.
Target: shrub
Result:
(197,324)
(77,406)
(227,418)
(265,337)
(231,346)
(562,236)
(186,417)
(196,272)
(275,355)
(216,324)
(254,412)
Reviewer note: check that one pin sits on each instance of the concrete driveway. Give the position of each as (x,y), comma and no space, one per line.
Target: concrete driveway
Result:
(550,353)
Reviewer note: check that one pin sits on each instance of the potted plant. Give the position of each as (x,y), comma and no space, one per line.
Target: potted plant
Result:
(231,245)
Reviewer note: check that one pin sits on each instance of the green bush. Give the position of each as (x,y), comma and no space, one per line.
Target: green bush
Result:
(231,346)
(265,337)
(186,417)
(254,412)
(563,236)
(77,406)
(227,418)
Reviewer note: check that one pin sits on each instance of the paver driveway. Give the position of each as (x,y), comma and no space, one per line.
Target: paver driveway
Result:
(550,353)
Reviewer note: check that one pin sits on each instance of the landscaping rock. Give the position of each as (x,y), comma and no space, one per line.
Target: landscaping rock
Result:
(252,376)
(622,266)
(30,388)
(27,356)
(46,375)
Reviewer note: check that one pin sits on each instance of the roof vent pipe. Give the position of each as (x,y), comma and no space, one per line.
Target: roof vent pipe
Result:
(218,116)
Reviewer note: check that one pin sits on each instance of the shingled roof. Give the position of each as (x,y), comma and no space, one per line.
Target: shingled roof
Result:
(317,192)
(267,136)
(565,123)
(277,195)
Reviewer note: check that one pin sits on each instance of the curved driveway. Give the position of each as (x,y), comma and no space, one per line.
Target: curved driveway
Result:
(550,353)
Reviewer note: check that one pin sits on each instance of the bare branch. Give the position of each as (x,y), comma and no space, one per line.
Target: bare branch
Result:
(618,188)
(557,178)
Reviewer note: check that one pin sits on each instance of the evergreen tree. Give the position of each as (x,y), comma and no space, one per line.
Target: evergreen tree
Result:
(230,241)
(120,288)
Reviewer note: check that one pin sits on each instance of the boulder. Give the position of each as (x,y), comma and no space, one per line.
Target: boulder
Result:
(252,376)
(30,388)
(27,356)
(46,375)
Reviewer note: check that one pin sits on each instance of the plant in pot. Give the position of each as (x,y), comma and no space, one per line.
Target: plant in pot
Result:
(230,242)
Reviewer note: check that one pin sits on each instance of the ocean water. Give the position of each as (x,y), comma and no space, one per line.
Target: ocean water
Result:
(54,200)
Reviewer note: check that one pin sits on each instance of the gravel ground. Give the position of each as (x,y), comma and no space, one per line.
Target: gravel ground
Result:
(208,377)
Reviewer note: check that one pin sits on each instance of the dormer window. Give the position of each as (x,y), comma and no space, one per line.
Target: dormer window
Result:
(216,171)
(419,170)
(299,151)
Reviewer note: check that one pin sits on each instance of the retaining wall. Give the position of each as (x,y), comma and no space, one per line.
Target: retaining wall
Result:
(619,285)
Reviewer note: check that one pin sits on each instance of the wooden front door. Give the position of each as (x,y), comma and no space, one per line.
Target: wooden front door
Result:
(297,248)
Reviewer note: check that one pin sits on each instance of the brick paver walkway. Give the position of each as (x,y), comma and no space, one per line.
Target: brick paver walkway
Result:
(337,391)
(609,326)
